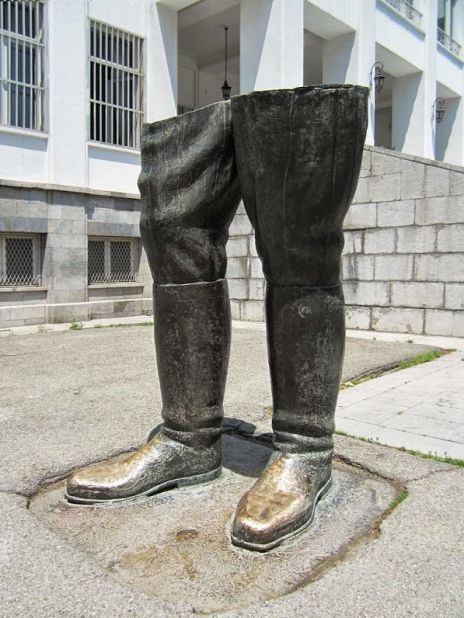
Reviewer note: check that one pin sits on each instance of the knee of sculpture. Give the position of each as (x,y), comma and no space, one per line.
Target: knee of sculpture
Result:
(294,158)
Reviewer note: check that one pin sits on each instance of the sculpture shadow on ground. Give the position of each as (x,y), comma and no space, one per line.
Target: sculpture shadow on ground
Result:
(240,452)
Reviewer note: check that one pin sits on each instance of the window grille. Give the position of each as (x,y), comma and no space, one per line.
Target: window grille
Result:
(19,260)
(112,261)
(116,86)
(22,52)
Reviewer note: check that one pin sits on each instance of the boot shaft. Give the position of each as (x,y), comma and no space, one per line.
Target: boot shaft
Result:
(306,336)
(192,341)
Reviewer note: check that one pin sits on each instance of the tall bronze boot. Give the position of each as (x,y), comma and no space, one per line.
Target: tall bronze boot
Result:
(189,194)
(298,155)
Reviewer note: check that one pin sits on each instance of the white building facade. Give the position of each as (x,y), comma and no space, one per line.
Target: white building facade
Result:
(79,77)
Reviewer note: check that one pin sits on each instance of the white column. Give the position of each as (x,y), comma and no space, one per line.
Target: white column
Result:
(348,58)
(271,44)
(413,128)
(161,65)
(450,133)
(408,114)
(430,77)
(67,92)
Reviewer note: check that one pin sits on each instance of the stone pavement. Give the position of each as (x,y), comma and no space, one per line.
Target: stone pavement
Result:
(420,408)
(159,558)
(69,398)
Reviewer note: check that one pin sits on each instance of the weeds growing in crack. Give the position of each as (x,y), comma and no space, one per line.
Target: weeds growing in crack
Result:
(420,359)
(452,461)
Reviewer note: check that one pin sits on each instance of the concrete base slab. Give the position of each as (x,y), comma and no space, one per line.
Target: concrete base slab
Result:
(176,546)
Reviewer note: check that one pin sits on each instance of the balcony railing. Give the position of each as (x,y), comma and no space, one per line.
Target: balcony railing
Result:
(406,10)
(448,42)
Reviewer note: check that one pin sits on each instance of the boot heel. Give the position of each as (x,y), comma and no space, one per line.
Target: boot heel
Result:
(197,479)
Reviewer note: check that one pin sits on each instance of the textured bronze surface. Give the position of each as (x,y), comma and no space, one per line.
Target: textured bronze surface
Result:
(298,157)
(159,464)
(282,501)
(192,337)
(189,194)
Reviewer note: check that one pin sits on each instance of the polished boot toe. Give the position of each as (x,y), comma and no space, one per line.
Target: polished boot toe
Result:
(282,502)
(159,464)
(98,480)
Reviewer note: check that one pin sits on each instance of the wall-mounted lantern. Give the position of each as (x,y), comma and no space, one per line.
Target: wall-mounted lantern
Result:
(438,109)
(377,76)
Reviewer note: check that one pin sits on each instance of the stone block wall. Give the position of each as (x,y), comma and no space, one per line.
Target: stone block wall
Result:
(403,261)
(244,272)
(64,219)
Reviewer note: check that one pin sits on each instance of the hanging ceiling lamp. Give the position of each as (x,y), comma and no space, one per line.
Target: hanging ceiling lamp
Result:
(225,86)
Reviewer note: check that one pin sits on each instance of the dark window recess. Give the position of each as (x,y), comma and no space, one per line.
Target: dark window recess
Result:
(116,86)
(111,261)
(19,260)
(22,53)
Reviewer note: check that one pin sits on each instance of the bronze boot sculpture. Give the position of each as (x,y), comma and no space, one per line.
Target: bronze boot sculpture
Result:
(189,194)
(298,157)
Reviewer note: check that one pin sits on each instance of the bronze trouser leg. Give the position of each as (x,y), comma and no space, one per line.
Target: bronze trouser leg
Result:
(298,155)
(189,194)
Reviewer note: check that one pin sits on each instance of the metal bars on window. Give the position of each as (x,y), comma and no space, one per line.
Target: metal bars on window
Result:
(112,261)
(19,260)
(22,52)
(116,86)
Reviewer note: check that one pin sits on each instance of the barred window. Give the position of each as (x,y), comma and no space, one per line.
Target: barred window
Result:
(112,260)
(22,52)
(20,259)
(116,86)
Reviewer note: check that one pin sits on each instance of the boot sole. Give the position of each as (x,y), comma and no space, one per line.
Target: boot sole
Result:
(186,481)
(286,537)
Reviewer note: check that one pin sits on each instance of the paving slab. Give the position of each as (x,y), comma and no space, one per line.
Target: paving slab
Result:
(420,408)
